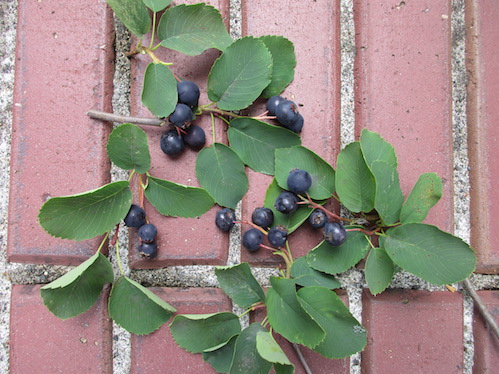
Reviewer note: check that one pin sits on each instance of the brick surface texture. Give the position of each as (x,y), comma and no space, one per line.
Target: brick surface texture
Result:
(59,76)
(413,332)
(402,90)
(483,115)
(43,343)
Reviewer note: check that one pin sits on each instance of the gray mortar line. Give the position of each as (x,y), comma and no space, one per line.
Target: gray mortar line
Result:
(461,162)
(351,280)
(234,255)
(8,12)
(121,105)
(348,52)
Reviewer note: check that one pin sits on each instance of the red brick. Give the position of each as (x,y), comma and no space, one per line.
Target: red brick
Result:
(317,363)
(43,343)
(483,116)
(486,343)
(413,332)
(403,88)
(314,29)
(158,352)
(64,67)
(182,241)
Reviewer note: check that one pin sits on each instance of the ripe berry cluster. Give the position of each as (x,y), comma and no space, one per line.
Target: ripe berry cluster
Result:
(136,217)
(298,181)
(334,233)
(182,131)
(286,112)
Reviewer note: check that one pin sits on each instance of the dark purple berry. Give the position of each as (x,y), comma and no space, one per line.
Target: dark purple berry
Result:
(148,232)
(149,250)
(225,219)
(188,93)
(286,202)
(194,137)
(299,181)
(272,104)
(277,236)
(287,113)
(297,125)
(181,115)
(171,143)
(252,239)
(135,217)
(317,219)
(334,233)
(262,217)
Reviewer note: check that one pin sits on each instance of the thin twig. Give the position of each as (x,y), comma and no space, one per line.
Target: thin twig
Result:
(481,306)
(110,117)
(302,358)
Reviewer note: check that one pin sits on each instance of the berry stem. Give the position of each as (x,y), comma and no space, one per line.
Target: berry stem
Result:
(103,241)
(115,236)
(208,108)
(213,135)
(110,117)
(141,188)
(152,55)
(118,257)
(261,229)
(308,200)
(153,30)
(366,232)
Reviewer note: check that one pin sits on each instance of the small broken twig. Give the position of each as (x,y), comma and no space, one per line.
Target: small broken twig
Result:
(110,117)
(302,358)
(481,306)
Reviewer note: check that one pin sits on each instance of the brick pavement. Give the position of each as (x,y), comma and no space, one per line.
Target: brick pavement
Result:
(402,89)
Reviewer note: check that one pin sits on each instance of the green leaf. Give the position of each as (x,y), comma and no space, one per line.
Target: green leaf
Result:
(298,157)
(424,195)
(192,29)
(157,5)
(240,74)
(379,270)
(304,275)
(128,149)
(86,215)
(355,183)
(77,290)
(375,148)
(221,172)
(287,317)
(172,199)
(198,333)
(159,93)
(334,260)
(255,142)
(221,359)
(136,309)
(284,369)
(389,198)
(431,254)
(290,221)
(133,14)
(284,63)
(239,284)
(246,359)
(269,350)
(344,334)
